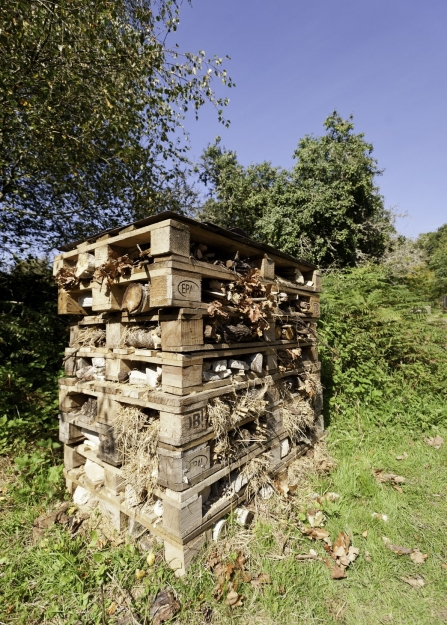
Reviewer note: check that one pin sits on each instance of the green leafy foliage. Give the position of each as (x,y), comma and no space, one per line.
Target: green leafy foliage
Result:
(32,339)
(381,353)
(326,209)
(93,96)
(435,245)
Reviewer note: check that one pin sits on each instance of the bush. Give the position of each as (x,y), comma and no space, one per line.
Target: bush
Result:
(381,355)
(32,338)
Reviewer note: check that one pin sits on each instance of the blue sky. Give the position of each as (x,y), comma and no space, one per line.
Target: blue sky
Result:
(295,61)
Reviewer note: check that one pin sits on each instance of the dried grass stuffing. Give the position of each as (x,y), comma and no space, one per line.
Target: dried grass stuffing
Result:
(91,337)
(136,436)
(256,471)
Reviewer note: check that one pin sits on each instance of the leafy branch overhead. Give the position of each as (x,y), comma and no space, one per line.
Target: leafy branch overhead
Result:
(93,97)
(327,208)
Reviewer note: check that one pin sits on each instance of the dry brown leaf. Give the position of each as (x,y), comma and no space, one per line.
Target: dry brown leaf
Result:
(418,557)
(401,551)
(234,600)
(112,608)
(435,442)
(414,582)
(337,572)
(164,607)
(388,477)
(342,540)
(367,556)
(378,515)
(398,488)
(365,534)
(404,456)
(262,578)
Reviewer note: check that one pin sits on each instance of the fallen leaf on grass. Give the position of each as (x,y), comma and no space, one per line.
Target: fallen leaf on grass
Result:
(45,521)
(414,582)
(139,573)
(435,442)
(418,557)
(234,600)
(382,477)
(164,607)
(368,556)
(338,573)
(317,533)
(112,608)
(378,515)
(365,534)
(312,555)
(404,456)
(263,578)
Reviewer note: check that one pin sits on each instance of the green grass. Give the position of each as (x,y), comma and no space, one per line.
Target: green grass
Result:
(62,579)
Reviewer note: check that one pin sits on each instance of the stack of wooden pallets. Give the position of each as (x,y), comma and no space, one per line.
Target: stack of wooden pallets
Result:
(200,341)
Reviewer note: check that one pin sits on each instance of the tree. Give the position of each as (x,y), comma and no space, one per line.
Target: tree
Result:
(92,100)
(435,246)
(326,209)
(237,196)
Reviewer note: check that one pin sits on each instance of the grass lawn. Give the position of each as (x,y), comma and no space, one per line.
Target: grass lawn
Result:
(59,578)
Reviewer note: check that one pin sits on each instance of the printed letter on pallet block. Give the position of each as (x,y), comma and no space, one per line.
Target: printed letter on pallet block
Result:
(178,429)
(181,333)
(171,287)
(171,238)
(176,469)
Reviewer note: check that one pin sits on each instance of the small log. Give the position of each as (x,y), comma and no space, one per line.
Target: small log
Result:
(132,297)
(237,334)
(85,266)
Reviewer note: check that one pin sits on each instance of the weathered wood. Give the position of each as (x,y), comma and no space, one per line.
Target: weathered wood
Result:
(67,303)
(117,369)
(177,429)
(170,239)
(114,332)
(174,288)
(237,333)
(177,468)
(181,377)
(70,433)
(105,297)
(179,557)
(108,450)
(180,518)
(71,458)
(181,333)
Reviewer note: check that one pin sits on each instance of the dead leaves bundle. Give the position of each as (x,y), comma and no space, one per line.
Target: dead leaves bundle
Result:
(252,299)
(115,267)
(66,278)
(136,436)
